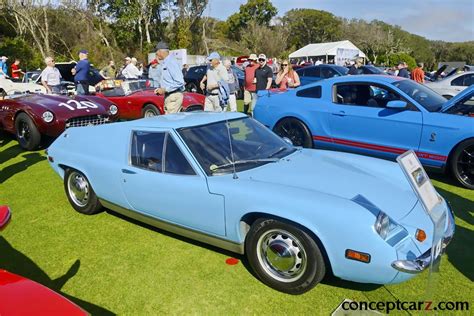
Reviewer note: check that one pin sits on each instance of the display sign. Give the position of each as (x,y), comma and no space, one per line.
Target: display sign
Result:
(419,180)
(344,55)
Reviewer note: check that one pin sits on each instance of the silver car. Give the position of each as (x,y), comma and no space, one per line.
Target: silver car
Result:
(452,85)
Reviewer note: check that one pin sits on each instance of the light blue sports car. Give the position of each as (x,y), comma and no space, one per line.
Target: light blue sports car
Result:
(226,180)
(377,115)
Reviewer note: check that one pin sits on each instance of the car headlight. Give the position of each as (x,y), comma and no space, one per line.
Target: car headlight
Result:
(113,109)
(48,117)
(384,225)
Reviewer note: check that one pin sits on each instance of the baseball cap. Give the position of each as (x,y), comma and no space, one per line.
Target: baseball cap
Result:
(83,51)
(213,55)
(161,45)
(262,56)
(252,57)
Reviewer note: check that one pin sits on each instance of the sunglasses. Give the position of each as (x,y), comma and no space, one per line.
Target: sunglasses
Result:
(261,59)
(285,65)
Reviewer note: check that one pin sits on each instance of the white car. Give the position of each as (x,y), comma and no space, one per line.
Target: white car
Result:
(452,85)
(8,87)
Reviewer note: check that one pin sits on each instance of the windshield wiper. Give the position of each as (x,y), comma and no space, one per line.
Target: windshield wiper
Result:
(243,162)
(281,149)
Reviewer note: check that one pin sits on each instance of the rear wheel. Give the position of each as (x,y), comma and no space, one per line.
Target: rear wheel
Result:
(80,193)
(283,256)
(462,163)
(27,133)
(193,108)
(296,131)
(150,110)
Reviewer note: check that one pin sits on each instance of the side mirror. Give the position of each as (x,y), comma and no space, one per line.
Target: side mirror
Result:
(288,141)
(5,216)
(400,105)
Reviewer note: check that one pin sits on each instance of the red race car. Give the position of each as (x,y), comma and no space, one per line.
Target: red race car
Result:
(136,99)
(33,117)
(21,296)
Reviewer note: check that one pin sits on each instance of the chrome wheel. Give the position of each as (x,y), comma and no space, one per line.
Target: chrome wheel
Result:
(78,188)
(149,113)
(281,255)
(24,132)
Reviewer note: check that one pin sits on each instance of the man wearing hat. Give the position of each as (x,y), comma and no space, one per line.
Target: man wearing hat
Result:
(215,73)
(154,73)
(81,73)
(172,81)
(3,67)
(250,88)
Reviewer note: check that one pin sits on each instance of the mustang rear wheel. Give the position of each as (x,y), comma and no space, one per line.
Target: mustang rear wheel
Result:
(296,131)
(26,132)
(284,257)
(150,110)
(80,193)
(462,163)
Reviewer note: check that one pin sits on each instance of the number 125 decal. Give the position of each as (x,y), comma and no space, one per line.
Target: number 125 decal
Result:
(76,105)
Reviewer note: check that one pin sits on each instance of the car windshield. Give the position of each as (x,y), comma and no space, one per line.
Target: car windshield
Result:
(341,70)
(130,86)
(426,97)
(244,143)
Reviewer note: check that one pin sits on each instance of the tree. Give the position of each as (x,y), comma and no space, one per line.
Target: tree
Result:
(260,11)
(308,26)
(264,39)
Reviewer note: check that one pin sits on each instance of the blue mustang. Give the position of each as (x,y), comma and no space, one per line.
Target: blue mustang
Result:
(226,180)
(377,115)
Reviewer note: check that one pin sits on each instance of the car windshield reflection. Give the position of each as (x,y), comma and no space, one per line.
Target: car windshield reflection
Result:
(252,145)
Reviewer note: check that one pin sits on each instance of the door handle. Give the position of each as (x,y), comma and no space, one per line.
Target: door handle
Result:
(128,171)
(340,113)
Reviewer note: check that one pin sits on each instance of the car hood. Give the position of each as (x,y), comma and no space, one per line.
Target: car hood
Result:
(466,93)
(364,180)
(54,103)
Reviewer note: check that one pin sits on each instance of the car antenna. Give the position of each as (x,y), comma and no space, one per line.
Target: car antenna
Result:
(231,149)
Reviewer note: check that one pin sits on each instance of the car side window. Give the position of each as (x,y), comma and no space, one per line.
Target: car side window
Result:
(364,95)
(459,81)
(175,162)
(147,150)
(312,72)
(313,92)
(327,72)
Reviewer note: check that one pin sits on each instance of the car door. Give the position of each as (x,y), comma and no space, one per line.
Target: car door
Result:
(161,180)
(462,82)
(361,122)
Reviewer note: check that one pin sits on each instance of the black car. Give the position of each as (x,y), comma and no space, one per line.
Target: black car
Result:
(315,73)
(195,74)
(370,70)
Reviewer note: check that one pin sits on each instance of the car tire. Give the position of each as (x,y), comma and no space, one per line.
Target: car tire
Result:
(150,110)
(80,194)
(462,163)
(26,132)
(296,131)
(283,256)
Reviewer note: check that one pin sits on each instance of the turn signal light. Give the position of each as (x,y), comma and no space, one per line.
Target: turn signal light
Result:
(358,256)
(420,235)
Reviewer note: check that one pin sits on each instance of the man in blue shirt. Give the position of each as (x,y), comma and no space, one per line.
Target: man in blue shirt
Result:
(172,81)
(3,67)
(81,73)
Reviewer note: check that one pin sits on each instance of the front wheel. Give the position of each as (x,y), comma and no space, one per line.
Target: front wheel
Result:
(27,133)
(80,193)
(284,257)
(296,131)
(150,110)
(462,163)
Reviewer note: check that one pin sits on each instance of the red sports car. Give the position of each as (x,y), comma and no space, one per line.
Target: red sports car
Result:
(21,296)
(33,117)
(136,99)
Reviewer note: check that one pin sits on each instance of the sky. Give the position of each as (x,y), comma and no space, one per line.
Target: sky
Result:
(447,20)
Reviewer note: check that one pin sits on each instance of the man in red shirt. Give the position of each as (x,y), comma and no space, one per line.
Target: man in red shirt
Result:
(418,74)
(250,83)
(16,71)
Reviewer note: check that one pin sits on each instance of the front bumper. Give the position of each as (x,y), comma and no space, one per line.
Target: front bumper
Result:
(422,262)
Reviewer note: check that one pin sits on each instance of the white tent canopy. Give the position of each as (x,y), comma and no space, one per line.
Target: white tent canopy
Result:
(324,49)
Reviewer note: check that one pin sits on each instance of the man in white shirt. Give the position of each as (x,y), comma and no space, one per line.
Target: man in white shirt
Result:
(51,77)
(131,71)
(215,73)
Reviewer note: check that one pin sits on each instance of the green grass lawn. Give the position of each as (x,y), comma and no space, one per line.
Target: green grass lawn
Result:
(108,264)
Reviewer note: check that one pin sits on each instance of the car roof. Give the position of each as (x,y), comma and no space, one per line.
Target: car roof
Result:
(184,119)
(364,78)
